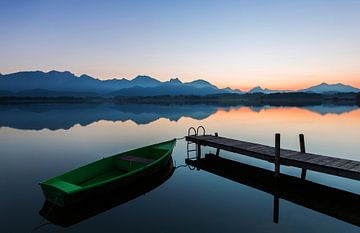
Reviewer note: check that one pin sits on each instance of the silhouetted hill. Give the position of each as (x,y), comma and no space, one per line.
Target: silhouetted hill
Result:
(55,83)
(324,88)
(259,89)
(168,90)
(47,93)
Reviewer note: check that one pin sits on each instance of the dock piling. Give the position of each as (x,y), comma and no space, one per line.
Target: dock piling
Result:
(302,150)
(217,150)
(198,151)
(277,155)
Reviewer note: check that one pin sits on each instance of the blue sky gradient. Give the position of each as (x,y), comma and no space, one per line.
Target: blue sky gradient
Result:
(275,44)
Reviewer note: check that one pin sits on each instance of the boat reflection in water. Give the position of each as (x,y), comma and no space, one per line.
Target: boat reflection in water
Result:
(333,202)
(70,215)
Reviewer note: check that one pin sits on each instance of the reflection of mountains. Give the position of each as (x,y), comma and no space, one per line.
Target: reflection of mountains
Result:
(320,109)
(64,116)
(332,109)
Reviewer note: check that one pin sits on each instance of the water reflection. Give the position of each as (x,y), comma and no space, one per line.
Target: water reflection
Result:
(67,216)
(333,202)
(29,156)
(65,116)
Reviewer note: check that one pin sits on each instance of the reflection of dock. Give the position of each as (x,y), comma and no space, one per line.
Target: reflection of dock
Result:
(306,161)
(70,215)
(336,203)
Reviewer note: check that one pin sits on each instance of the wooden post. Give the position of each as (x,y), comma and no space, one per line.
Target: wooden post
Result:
(198,151)
(277,155)
(302,150)
(217,150)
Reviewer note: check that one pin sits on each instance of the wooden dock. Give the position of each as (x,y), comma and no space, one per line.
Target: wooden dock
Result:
(333,202)
(306,161)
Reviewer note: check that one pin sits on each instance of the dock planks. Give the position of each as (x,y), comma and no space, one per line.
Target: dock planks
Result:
(320,163)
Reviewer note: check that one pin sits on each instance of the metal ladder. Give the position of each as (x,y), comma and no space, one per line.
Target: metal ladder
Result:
(196,133)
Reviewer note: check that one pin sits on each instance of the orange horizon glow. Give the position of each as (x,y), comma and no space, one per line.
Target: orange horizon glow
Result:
(292,86)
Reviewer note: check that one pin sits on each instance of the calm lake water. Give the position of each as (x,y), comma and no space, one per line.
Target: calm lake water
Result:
(44,140)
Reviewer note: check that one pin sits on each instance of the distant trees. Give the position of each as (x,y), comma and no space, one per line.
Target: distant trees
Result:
(358,98)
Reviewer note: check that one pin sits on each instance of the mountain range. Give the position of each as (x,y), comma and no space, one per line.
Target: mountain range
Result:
(259,89)
(56,83)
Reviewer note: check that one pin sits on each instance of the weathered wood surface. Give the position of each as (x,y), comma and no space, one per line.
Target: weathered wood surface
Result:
(320,163)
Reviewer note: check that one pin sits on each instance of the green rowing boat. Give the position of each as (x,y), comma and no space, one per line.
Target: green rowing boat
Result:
(106,174)
(72,214)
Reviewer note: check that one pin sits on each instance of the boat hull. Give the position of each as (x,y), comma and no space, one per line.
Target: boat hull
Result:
(72,214)
(58,195)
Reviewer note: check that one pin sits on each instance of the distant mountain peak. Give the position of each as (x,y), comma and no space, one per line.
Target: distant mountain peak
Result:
(85,76)
(143,77)
(175,80)
(200,83)
(58,72)
(145,81)
(330,88)
(259,89)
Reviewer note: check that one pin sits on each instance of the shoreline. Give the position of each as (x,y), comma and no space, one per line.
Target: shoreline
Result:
(277,99)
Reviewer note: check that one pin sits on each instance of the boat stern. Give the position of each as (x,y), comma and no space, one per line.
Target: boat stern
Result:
(56,191)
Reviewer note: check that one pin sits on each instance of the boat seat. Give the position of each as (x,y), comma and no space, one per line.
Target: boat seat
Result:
(132,158)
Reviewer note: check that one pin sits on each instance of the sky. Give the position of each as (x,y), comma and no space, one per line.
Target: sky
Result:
(274,44)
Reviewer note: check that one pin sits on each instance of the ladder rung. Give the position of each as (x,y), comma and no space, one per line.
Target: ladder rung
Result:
(191,150)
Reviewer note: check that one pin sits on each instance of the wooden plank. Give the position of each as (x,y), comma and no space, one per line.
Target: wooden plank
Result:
(320,160)
(298,156)
(356,168)
(339,163)
(289,153)
(262,151)
(351,165)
